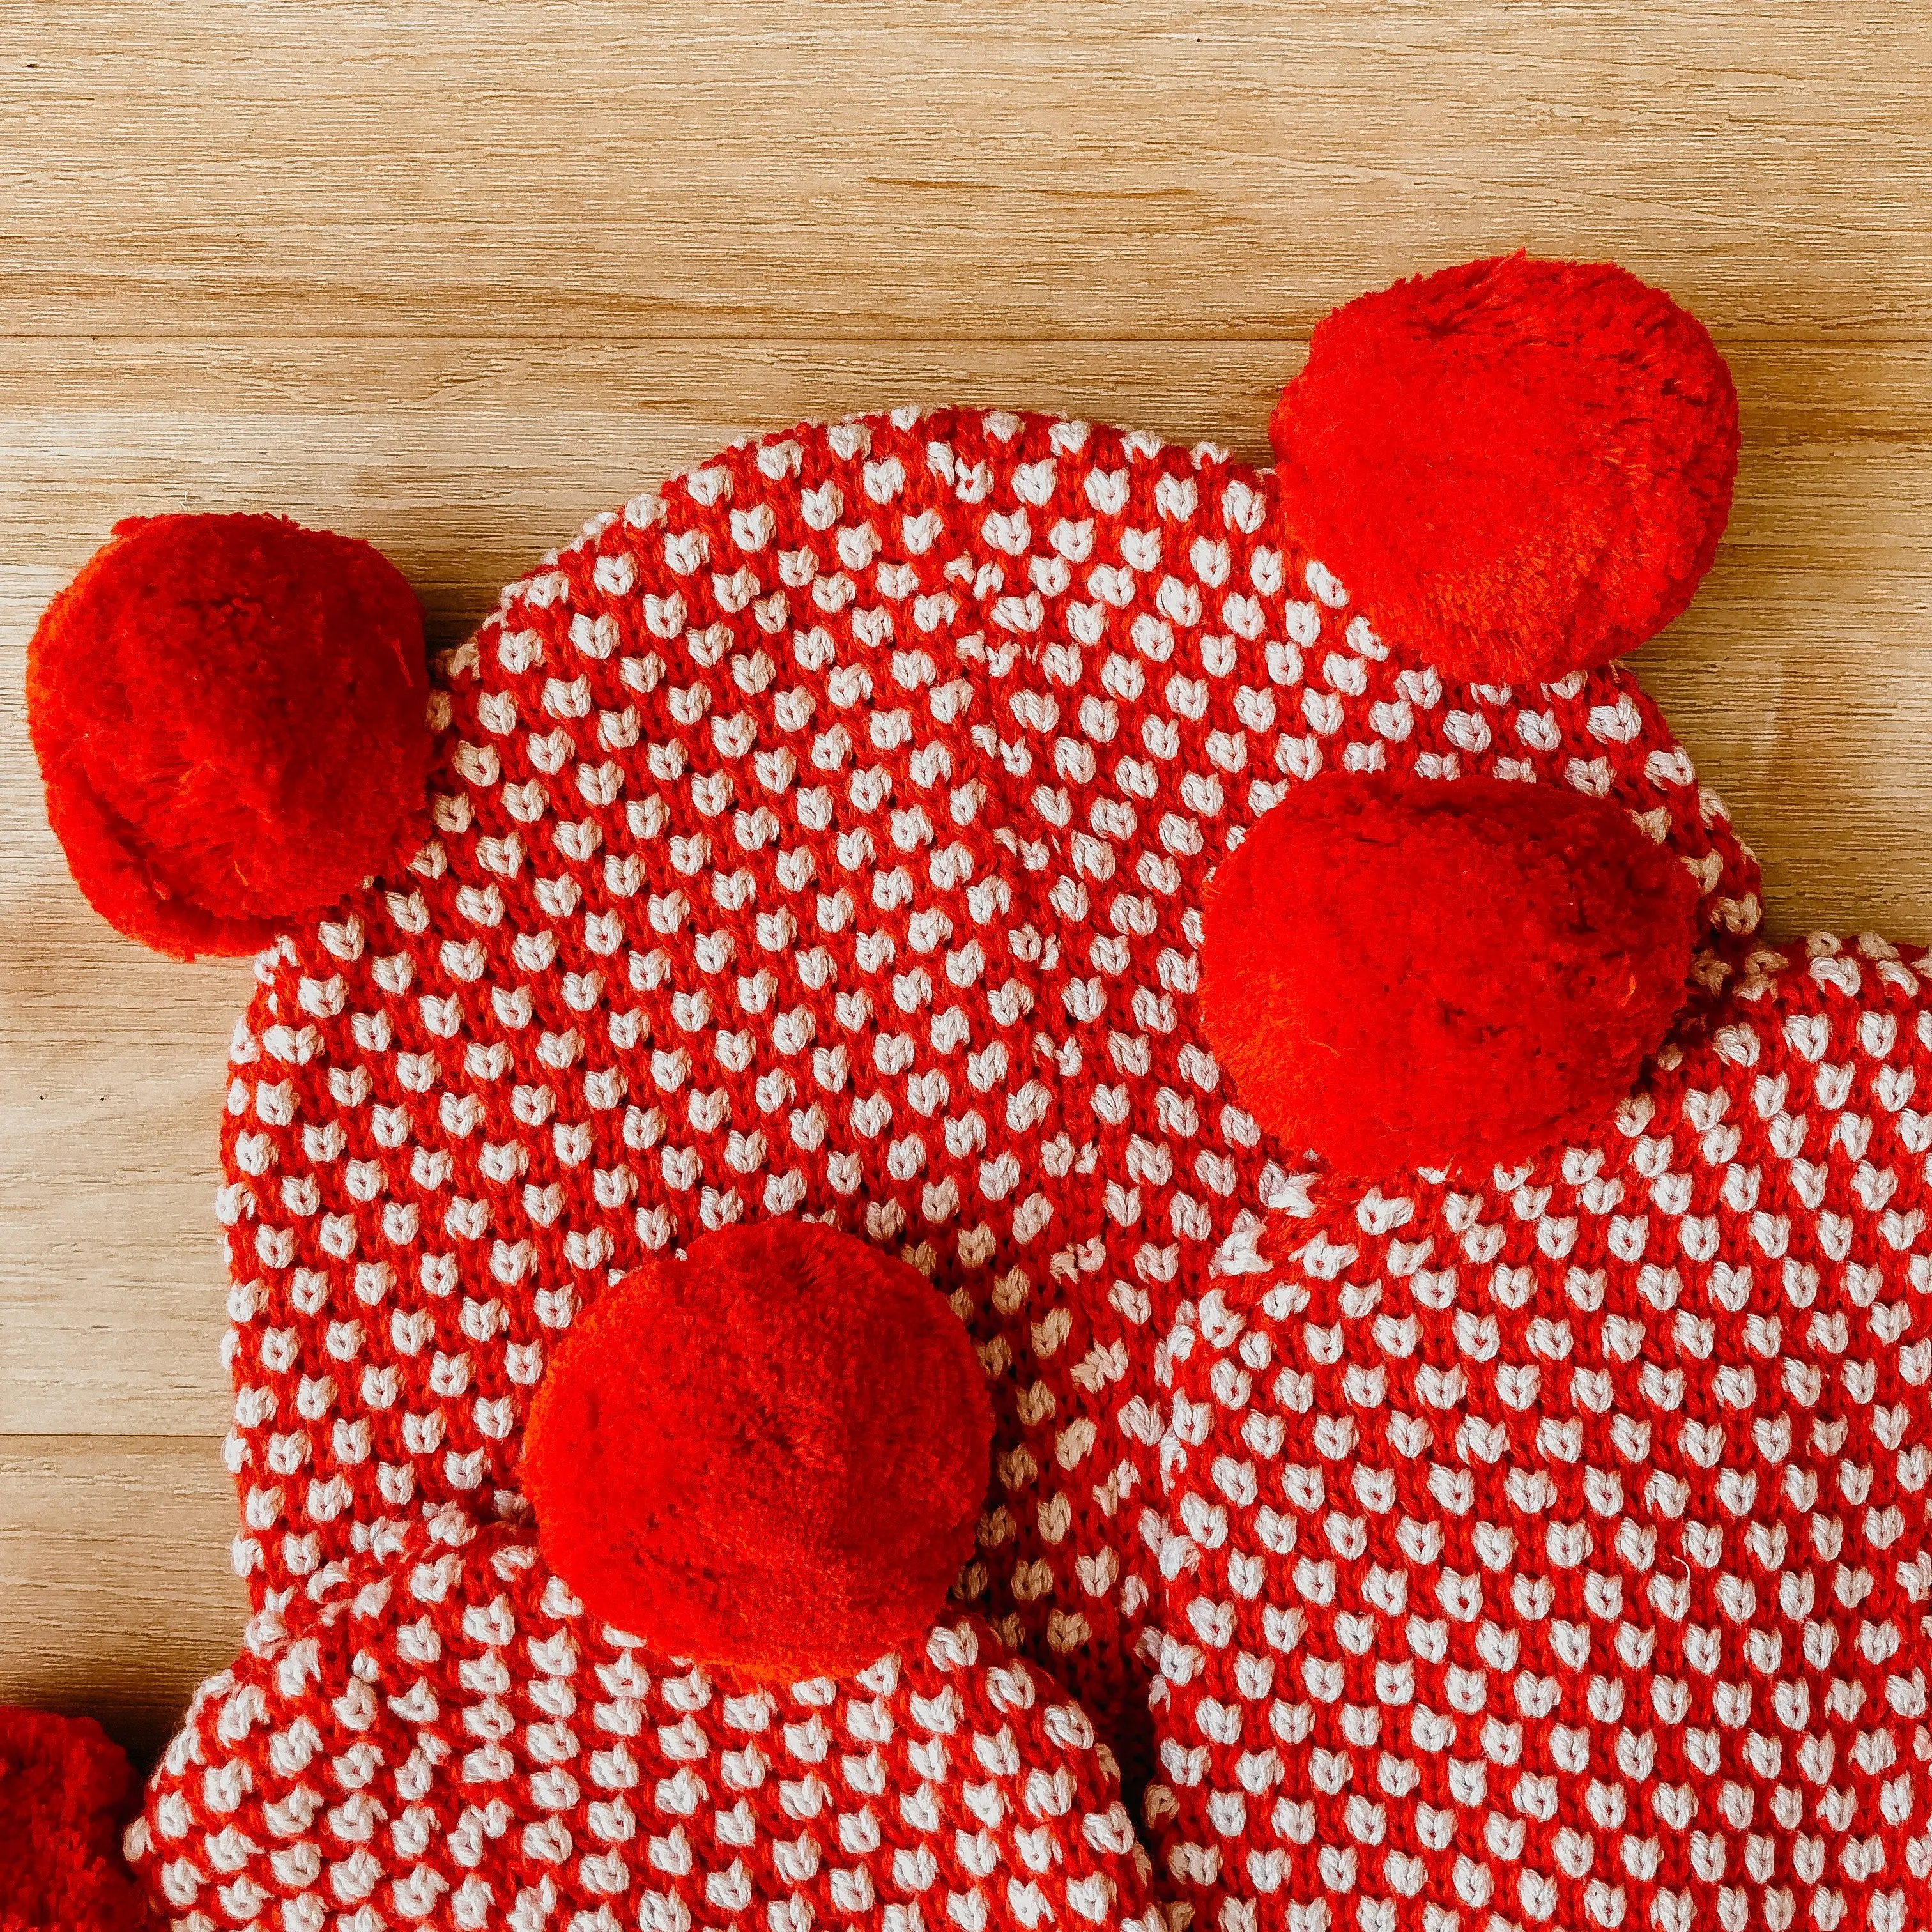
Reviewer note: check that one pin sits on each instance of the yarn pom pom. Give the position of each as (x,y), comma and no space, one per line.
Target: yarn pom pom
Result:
(1411,972)
(231,714)
(1520,468)
(769,1456)
(65,1792)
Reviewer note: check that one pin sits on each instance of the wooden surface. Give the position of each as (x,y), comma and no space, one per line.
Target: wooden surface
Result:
(451,276)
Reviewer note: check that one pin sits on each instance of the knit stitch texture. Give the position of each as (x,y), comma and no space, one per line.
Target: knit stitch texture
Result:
(1552,1549)
(827,834)
(434,1731)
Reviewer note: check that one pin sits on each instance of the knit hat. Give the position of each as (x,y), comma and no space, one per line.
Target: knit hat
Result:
(1550,1546)
(831,835)
(442,1726)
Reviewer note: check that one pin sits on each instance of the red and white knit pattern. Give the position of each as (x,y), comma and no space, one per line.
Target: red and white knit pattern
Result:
(827,835)
(434,1732)
(1557,1551)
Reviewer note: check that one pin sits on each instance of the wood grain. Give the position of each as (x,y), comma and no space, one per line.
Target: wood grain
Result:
(114,1571)
(453,276)
(1032,169)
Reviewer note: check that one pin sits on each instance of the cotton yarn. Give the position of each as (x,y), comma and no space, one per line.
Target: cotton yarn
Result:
(826,837)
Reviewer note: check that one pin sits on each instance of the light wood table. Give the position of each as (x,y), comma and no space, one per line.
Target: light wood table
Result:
(451,277)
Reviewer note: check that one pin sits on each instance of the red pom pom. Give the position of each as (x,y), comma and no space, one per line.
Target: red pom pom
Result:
(1520,468)
(769,1456)
(1410,974)
(231,714)
(64,1794)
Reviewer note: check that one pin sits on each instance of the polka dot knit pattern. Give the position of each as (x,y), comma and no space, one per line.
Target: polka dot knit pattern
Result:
(434,1732)
(1553,1550)
(828,835)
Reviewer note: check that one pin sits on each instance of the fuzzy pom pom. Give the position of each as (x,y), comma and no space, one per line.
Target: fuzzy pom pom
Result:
(1520,468)
(769,1456)
(231,716)
(65,1791)
(1409,973)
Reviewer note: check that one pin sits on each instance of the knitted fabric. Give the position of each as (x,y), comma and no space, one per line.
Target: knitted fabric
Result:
(827,835)
(435,1731)
(1554,1549)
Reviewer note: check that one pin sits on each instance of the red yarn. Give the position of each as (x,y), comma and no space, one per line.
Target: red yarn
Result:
(769,1456)
(230,715)
(1577,1577)
(1521,468)
(436,1734)
(1402,973)
(64,1787)
(765,1025)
